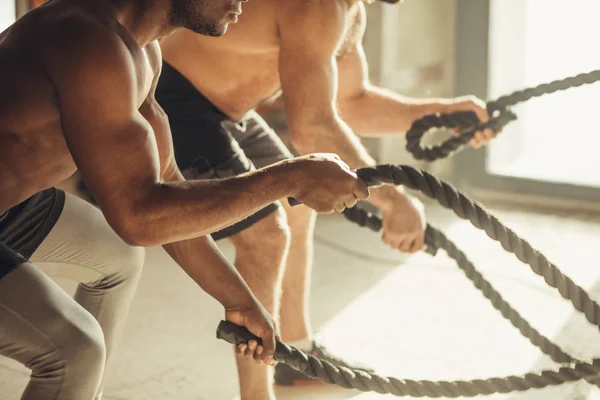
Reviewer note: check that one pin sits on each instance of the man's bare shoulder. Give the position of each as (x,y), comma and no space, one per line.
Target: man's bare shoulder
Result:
(79,45)
(69,40)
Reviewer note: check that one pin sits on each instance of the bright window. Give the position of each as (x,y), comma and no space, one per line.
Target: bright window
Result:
(557,138)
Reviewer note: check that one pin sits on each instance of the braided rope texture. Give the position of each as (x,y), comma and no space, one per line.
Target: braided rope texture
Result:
(357,379)
(435,239)
(521,96)
(500,116)
(449,197)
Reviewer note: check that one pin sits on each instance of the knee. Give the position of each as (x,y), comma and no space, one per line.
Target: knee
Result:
(87,348)
(81,350)
(270,236)
(277,232)
(301,220)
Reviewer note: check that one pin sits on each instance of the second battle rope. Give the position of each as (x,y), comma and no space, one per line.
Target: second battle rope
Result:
(499,112)
(449,197)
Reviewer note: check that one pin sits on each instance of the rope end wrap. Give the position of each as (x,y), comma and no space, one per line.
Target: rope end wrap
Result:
(235,334)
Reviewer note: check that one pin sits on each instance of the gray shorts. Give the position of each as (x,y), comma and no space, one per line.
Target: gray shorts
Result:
(253,145)
(210,145)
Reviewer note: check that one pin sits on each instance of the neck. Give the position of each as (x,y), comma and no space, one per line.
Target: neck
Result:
(146,20)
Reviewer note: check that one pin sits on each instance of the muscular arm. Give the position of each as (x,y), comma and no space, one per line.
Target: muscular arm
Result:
(199,257)
(116,151)
(310,32)
(202,260)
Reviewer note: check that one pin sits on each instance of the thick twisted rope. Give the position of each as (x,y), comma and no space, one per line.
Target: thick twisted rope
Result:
(357,379)
(500,116)
(451,198)
(434,240)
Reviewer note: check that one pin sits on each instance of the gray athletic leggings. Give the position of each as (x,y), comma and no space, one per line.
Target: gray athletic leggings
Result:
(66,341)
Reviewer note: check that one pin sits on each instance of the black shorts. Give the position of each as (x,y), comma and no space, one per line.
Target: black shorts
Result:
(25,226)
(209,145)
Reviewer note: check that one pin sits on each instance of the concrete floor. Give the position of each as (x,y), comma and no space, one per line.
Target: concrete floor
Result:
(412,317)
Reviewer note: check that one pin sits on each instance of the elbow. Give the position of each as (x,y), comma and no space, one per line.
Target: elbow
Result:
(131,231)
(135,237)
(132,227)
(354,103)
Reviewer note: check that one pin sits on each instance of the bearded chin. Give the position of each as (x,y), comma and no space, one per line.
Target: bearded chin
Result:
(185,15)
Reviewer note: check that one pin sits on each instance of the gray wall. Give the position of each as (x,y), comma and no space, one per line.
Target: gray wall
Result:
(411,49)
(7,13)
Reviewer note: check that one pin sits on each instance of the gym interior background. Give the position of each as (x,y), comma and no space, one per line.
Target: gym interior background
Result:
(417,317)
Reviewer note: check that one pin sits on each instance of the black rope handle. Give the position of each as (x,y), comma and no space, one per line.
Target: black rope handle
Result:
(469,123)
(465,208)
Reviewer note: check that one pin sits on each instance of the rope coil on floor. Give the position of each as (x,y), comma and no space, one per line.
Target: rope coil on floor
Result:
(500,116)
(449,197)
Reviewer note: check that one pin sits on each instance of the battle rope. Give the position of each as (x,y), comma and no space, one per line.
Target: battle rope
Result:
(434,240)
(500,115)
(449,197)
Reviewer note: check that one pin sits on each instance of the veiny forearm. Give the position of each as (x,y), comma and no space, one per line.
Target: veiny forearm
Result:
(336,137)
(178,210)
(331,136)
(378,112)
(201,259)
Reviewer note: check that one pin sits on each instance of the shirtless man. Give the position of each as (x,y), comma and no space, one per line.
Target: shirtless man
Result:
(77,79)
(311,53)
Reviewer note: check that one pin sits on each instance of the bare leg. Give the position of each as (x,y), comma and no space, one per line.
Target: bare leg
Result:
(260,258)
(294,311)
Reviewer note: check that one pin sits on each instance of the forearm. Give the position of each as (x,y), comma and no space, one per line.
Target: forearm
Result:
(378,111)
(337,137)
(178,210)
(331,136)
(201,259)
